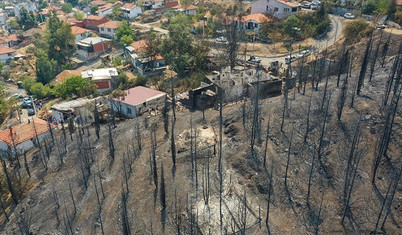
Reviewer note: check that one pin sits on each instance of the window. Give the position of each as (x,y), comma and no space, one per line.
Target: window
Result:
(276,9)
(102,29)
(294,9)
(286,10)
(109,30)
(128,110)
(267,8)
(10,54)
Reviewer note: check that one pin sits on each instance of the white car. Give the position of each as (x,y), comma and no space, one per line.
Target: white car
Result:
(221,39)
(305,53)
(349,16)
(254,59)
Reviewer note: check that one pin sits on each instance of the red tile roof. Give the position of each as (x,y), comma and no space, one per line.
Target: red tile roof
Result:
(139,95)
(66,74)
(6,50)
(94,17)
(78,30)
(129,6)
(190,7)
(257,17)
(291,4)
(24,131)
(141,46)
(98,2)
(399,2)
(111,24)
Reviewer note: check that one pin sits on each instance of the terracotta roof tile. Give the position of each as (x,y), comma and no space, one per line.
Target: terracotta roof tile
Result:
(258,17)
(66,74)
(129,6)
(111,24)
(94,17)
(139,95)
(99,2)
(78,30)
(291,4)
(24,131)
(6,50)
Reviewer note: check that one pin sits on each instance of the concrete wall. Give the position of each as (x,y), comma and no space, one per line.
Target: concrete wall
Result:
(79,37)
(268,6)
(133,13)
(105,32)
(6,57)
(122,108)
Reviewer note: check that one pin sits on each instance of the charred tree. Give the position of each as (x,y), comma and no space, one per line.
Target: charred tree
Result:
(10,186)
(97,120)
(374,59)
(363,68)
(385,49)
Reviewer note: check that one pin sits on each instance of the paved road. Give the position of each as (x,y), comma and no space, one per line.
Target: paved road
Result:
(157,29)
(334,34)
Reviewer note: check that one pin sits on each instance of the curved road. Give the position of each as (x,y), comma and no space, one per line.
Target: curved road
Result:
(329,39)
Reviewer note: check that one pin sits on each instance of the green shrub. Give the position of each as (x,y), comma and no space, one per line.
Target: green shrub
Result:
(40,91)
(356,30)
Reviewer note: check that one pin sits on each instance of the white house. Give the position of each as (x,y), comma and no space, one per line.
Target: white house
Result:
(188,10)
(107,9)
(153,4)
(80,33)
(3,18)
(137,101)
(280,9)
(6,54)
(109,28)
(252,22)
(22,137)
(104,78)
(135,52)
(131,11)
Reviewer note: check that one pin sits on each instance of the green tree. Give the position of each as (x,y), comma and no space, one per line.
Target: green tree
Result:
(152,45)
(27,20)
(356,30)
(94,9)
(79,15)
(176,48)
(40,91)
(46,68)
(27,83)
(125,34)
(126,40)
(42,4)
(5,73)
(67,7)
(75,86)
(60,39)
(117,13)
(13,24)
(369,7)
(72,2)
(290,26)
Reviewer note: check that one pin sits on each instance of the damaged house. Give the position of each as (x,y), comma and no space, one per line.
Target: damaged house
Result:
(235,85)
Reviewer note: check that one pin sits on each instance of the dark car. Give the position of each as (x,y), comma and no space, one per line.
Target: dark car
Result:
(31,112)
(266,40)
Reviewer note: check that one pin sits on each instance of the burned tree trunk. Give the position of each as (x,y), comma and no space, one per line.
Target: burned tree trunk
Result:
(97,121)
(363,68)
(385,49)
(374,59)
(10,186)
(342,97)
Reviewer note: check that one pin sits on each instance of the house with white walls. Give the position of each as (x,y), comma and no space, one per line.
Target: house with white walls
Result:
(80,33)
(280,9)
(131,11)
(252,22)
(109,28)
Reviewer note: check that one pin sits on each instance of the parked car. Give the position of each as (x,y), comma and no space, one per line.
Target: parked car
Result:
(305,52)
(349,16)
(31,112)
(254,59)
(316,2)
(306,6)
(381,26)
(289,59)
(266,40)
(221,39)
